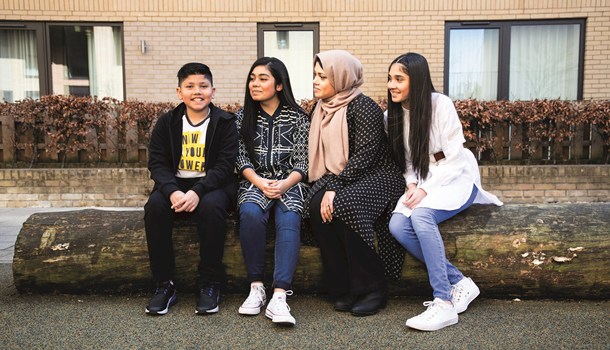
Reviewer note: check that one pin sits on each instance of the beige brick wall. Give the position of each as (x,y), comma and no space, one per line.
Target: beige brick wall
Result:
(222,33)
(22,188)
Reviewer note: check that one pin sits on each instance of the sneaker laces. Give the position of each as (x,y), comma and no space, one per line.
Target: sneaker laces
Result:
(209,291)
(281,304)
(257,295)
(457,292)
(433,307)
(163,288)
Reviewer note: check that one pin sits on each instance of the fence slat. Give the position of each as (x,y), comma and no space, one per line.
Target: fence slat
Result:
(8,134)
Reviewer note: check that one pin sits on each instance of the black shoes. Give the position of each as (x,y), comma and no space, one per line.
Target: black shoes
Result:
(369,304)
(345,303)
(164,297)
(208,299)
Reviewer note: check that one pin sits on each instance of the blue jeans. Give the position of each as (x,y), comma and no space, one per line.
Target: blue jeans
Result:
(420,236)
(253,222)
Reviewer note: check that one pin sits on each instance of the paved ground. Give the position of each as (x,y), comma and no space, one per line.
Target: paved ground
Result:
(119,322)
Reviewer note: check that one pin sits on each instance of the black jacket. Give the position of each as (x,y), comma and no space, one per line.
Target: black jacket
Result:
(165,149)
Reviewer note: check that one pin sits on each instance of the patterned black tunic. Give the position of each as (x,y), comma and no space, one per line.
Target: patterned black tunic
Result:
(280,147)
(370,184)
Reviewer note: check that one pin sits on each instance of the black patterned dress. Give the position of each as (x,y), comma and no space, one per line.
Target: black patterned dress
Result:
(280,147)
(370,184)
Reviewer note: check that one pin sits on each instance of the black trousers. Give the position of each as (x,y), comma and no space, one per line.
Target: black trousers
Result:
(349,264)
(210,216)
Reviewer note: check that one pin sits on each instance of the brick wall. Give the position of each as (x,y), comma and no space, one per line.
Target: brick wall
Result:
(129,187)
(222,33)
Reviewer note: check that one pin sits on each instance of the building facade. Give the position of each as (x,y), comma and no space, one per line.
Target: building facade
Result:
(485,49)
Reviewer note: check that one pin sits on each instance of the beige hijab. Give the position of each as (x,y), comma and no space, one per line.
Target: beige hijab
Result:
(328,138)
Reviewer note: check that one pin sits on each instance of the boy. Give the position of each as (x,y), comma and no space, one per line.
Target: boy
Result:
(191,159)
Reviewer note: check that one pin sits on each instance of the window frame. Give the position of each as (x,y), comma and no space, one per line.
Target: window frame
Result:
(261,28)
(504,48)
(43,45)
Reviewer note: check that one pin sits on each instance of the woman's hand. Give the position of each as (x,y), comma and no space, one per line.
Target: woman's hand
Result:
(414,196)
(184,202)
(278,188)
(326,206)
(268,187)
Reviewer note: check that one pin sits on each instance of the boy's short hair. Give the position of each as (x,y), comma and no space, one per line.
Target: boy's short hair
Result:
(193,68)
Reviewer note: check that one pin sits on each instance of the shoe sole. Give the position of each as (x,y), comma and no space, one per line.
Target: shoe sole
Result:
(249,311)
(341,309)
(171,302)
(207,312)
(369,313)
(435,328)
(471,297)
(285,321)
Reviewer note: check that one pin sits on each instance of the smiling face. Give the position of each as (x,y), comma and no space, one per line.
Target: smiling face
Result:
(399,85)
(196,92)
(322,88)
(262,85)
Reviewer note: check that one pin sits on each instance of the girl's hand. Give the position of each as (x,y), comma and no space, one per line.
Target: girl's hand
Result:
(267,186)
(414,197)
(326,206)
(278,188)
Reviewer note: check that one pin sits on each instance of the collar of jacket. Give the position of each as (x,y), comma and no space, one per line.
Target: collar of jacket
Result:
(215,113)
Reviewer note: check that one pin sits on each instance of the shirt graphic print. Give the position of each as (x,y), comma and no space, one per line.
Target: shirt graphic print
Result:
(192,160)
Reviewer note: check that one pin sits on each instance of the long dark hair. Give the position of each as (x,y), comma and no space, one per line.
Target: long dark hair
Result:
(280,74)
(420,115)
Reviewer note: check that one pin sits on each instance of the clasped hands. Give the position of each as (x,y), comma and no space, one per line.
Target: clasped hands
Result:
(184,202)
(272,189)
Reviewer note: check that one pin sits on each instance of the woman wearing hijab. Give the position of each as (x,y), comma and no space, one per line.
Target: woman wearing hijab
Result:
(355,186)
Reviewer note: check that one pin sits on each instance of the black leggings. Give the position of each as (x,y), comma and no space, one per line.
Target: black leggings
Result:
(350,265)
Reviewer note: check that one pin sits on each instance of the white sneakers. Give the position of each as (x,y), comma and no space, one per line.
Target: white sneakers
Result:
(439,314)
(277,310)
(462,293)
(255,300)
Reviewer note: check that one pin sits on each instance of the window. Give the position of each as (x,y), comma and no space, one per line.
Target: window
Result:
(515,60)
(80,59)
(295,44)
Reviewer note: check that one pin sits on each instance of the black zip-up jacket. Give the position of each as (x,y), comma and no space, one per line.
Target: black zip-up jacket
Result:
(165,149)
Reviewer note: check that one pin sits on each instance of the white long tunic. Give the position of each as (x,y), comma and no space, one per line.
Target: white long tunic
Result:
(450,180)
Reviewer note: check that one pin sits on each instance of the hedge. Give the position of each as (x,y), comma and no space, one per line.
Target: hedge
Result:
(70,129)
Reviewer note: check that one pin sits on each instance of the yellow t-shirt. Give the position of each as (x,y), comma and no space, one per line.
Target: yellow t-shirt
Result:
(192,160)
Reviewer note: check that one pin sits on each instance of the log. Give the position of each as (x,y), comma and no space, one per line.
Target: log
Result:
(525,251)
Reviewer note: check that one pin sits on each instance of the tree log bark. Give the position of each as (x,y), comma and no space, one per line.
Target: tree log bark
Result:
(525,251)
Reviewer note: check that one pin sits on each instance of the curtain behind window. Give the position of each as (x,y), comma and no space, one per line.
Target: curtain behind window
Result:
(544,62)
(18,65)
(473,64)
(105,62)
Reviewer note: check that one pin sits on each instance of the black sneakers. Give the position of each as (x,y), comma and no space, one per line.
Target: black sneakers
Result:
(164,297)
(207,303)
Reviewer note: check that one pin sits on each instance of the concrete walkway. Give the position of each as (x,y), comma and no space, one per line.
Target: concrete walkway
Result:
(119,321)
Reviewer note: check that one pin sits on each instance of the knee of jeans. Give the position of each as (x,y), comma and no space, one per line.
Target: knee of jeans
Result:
(249,213)
(397,224)
(422,215)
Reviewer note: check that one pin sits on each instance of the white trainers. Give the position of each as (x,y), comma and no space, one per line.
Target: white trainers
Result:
(462,293)
(439,314)
(278,310)
(255,300)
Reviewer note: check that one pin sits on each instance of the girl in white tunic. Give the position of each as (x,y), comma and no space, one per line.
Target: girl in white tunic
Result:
(442,179)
